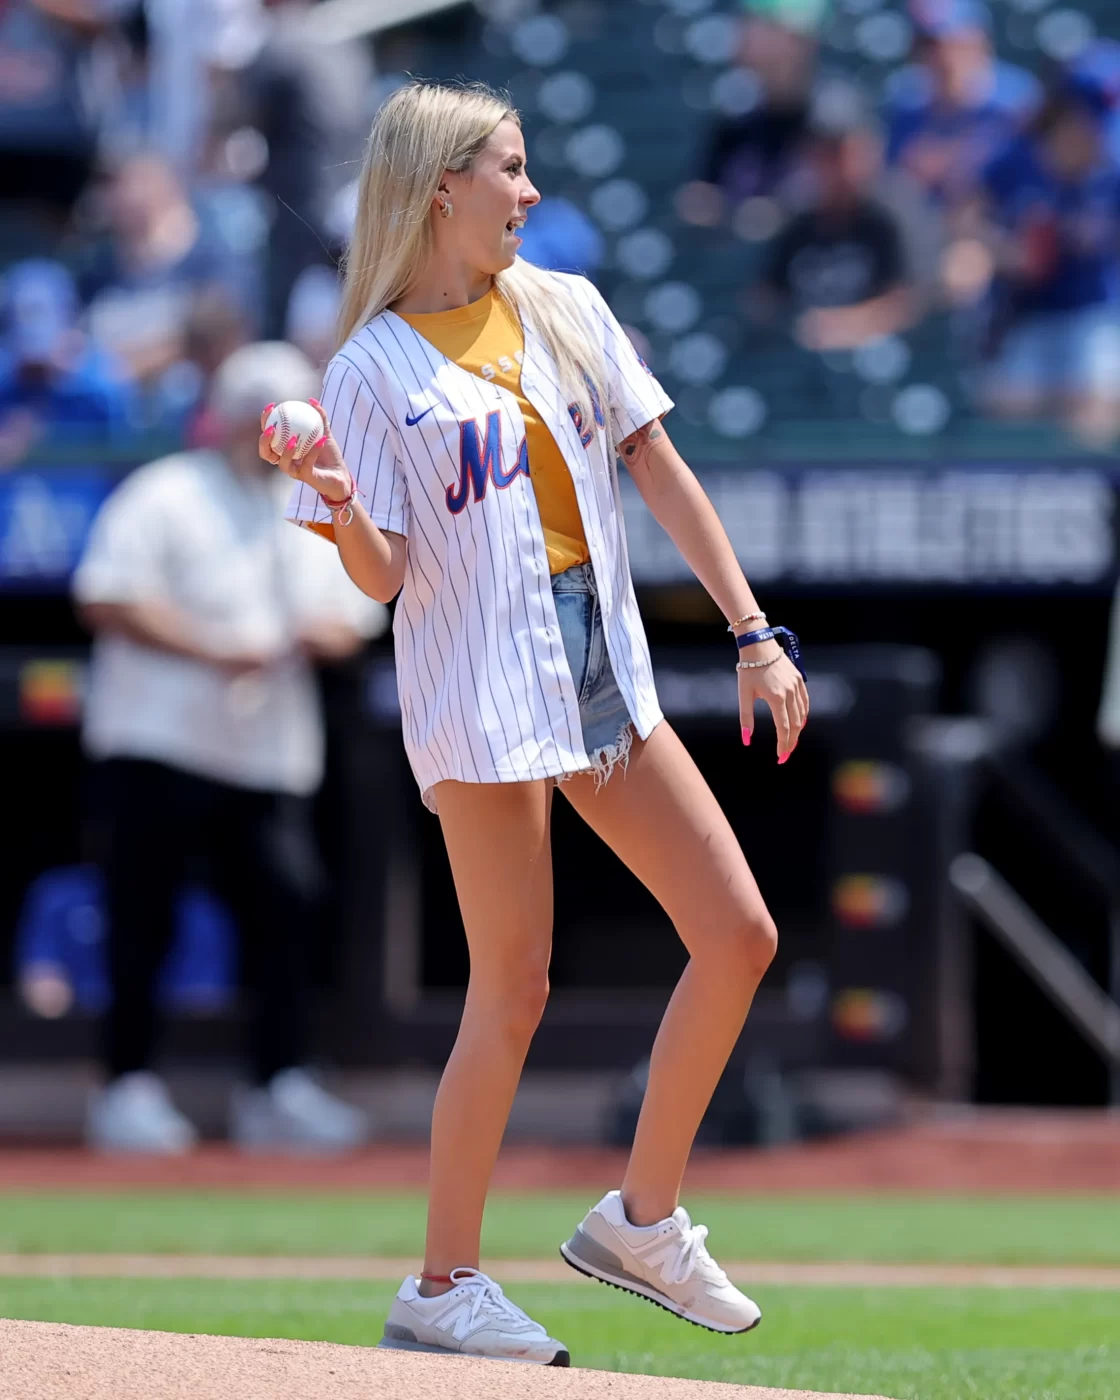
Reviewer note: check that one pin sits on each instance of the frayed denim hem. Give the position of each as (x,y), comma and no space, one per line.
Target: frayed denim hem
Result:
(605,760)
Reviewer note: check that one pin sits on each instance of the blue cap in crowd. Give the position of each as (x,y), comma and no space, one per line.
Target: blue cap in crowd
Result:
(1085,91)
(1100,64)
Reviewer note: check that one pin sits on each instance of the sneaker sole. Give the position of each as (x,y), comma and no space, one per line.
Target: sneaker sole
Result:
(650,1295)
(409,1343)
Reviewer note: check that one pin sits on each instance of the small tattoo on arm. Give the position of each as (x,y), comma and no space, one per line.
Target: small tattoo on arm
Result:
(642,438)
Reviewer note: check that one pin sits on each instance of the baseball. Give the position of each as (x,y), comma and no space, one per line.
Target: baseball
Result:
(294,418)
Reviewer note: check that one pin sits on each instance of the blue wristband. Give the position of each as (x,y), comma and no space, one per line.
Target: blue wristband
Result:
(786,639)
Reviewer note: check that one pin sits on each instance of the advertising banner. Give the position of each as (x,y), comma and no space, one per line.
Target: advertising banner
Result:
(948,527)
(45,516)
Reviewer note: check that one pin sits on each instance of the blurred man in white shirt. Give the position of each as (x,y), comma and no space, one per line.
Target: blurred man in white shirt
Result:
(203,720)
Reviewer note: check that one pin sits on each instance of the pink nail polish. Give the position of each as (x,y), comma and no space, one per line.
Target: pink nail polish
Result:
(291,443)
(314,445)
(269,407)
(784,758)
(314,403)
(747,737)
(269,431)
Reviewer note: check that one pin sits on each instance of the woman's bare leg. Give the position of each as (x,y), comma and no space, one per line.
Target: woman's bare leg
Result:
(660,818)
(497,837)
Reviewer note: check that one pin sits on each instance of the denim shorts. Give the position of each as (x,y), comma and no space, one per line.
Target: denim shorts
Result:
(607,728)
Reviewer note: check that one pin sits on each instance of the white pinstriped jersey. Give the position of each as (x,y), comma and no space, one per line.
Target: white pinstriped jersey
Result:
(439,453)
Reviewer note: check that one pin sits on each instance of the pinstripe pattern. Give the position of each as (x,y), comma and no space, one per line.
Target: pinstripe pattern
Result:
(486,693)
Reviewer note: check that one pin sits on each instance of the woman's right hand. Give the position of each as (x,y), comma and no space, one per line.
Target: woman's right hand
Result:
(321,467)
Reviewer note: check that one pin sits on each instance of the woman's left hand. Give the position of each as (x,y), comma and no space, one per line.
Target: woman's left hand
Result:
(783,689)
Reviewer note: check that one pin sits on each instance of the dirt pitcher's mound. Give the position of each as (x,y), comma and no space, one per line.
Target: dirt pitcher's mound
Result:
(52,1361)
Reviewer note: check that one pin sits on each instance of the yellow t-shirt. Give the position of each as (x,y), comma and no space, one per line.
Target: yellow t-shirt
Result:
(486,339)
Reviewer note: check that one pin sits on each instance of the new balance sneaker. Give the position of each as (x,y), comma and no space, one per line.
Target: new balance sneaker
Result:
(474,1319)
(668,1263)
(134,1113)
(293,1112)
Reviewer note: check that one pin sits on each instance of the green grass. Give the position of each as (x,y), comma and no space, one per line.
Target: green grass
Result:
(909,1343)
(919,1229)
(914,1344)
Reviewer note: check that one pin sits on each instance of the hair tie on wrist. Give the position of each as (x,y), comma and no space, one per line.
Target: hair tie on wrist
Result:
(337,508)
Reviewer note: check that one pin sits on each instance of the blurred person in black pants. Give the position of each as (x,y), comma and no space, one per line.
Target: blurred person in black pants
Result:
(204,726)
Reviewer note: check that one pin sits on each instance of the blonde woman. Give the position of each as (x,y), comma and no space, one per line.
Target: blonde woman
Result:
(478,405)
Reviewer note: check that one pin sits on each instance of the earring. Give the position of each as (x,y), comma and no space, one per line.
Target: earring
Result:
(446,209)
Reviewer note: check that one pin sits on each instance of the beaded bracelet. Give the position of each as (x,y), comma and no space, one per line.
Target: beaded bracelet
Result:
(757,665)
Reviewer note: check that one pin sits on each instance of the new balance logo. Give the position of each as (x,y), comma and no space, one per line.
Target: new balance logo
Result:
(658,1257)
(457,1321)
(411,422)
(480,462)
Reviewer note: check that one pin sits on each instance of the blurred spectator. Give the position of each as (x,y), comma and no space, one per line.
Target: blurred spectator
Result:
(50,105)
(838,268)
(757,154)
(57,388)
(157,259)
(306,103)
(951,111)
(203,722)
(1053,205)
(311,321)
(1099,64)
(216,328)
(561,238)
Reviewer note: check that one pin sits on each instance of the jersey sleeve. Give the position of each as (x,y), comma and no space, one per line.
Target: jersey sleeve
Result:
(636,398)
(370,445)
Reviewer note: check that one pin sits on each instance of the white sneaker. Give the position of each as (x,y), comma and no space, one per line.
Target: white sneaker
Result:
(474,1319)
(668,1263)
(134,1113)
(294,1112)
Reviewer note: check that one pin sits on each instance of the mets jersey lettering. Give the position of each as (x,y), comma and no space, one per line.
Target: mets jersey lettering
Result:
(481,462)
(485,689)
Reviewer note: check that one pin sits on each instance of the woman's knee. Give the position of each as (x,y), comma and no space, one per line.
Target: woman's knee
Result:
(513,1002)
(761,937)
(745,944)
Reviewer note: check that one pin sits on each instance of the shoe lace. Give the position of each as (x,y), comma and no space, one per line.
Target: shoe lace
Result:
(694,1254)
(488,1299)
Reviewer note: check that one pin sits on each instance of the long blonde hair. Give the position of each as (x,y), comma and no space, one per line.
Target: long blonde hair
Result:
(422,130)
